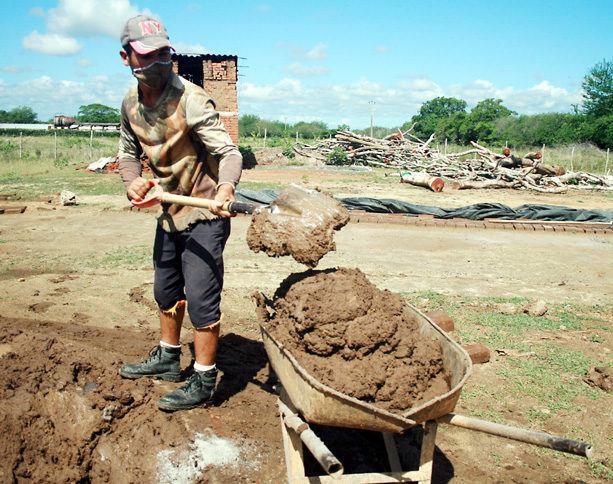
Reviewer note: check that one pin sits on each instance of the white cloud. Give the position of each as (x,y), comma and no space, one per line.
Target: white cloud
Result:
(51,44)
(15,69)
(84,63)
(263,8)
(183,48)
(48,97)
(394,105)
(540,98)
(90,18)
(193,7)
(36,12)
(298,70)
(73,19)
(316,53)
(381,49)
(302,53)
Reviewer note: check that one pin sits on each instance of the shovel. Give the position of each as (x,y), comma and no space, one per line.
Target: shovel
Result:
(160,196)
(300,222)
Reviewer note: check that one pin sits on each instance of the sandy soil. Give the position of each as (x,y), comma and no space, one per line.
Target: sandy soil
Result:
(74,308)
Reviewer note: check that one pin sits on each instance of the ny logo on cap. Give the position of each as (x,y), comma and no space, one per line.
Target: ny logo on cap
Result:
(149,27)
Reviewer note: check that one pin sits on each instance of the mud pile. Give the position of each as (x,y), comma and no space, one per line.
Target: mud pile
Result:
(301,224)
(355,338)
(71,418)
(66,416)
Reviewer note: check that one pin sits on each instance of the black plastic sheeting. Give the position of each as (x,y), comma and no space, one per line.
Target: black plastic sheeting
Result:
(478,211)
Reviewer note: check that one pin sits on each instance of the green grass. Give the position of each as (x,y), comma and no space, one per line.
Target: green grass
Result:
(583,157)
(45,165)
(553,378)
(133,257)
(548,379)
(43,185)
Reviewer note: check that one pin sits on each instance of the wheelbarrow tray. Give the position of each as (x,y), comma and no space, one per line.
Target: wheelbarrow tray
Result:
(320,404)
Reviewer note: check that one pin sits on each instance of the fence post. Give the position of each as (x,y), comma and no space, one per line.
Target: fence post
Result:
(55,136)
(606,165)
(91,141)
(20,143)
(572,156)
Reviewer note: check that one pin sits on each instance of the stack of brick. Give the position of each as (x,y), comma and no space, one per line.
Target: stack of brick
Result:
(477,352)
(218,75)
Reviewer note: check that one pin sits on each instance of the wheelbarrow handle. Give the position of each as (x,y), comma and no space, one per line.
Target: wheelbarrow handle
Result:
(528,436)
(159,195)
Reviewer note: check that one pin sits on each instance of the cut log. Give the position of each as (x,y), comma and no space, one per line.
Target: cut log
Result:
(435,183)
(466,184)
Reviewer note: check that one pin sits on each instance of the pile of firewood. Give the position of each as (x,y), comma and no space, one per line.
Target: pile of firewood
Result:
(479,167)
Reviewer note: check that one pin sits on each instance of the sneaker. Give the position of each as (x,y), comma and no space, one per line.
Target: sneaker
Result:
(163,363)
(198,390)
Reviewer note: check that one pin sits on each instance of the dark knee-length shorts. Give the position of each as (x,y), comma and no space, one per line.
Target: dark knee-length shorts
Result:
(189,266)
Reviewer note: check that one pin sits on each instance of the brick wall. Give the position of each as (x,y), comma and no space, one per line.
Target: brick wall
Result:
(217,74)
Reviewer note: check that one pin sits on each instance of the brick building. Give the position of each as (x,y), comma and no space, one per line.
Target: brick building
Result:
(217,74)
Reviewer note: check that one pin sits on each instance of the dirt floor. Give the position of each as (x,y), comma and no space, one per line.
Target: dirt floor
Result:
(76,304)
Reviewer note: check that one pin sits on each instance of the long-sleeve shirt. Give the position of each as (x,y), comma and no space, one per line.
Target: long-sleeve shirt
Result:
(186,144)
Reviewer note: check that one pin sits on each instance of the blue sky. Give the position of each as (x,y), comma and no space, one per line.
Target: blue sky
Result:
(318,60)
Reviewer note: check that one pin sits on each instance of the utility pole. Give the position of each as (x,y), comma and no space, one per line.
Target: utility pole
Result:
(372,103)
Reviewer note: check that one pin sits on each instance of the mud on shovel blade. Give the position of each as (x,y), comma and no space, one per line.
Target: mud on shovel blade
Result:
(160,196)
(301,224)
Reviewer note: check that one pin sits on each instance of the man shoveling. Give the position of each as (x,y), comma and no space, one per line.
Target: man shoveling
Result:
(174,123)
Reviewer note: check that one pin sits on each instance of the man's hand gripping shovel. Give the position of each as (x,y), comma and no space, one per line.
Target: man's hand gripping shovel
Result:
(160,196)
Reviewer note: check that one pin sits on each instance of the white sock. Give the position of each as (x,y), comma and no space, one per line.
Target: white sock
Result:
(167,345)
(199,367)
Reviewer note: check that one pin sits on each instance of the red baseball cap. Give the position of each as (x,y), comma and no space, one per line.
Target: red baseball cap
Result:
(144,34)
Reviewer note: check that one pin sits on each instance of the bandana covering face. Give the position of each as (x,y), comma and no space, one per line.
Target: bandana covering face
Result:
(155,75)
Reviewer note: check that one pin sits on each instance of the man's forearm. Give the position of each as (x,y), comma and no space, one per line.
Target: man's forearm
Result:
(230,168)
(129,170)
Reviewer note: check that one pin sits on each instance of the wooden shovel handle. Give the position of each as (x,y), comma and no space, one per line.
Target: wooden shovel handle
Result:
(159,195)
(232,207)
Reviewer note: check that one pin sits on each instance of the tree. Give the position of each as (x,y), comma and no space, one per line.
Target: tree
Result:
(249,125)
(599,130)
(98,113)
(312,130)
(432,112)
(598,90)
(490,110)
(479,125)
(551,129)
(20,115)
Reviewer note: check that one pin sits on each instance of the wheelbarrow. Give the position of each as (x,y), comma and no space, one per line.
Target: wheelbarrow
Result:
(322,405)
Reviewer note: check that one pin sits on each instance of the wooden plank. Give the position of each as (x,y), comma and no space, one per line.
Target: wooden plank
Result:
(12,209)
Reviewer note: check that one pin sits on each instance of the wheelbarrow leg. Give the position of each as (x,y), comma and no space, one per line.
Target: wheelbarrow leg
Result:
(427,450)
(294,456)
(424,474)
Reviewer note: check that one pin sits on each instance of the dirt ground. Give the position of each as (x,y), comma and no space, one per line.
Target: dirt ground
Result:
(75,307)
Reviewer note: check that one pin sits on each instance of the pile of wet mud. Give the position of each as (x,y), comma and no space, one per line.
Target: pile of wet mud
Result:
(355,338)
(66,416)
(301,224)
(70,416)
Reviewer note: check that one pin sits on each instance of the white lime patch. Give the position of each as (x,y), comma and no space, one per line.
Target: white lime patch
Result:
(183,466)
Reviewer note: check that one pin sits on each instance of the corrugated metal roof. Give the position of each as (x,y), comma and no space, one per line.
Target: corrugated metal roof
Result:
(214,57)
